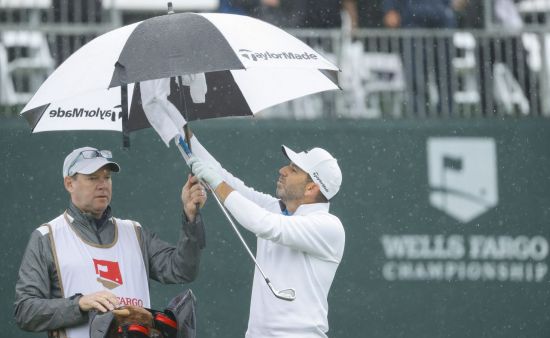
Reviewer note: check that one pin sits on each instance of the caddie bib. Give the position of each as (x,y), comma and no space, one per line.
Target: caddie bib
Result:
(86,267)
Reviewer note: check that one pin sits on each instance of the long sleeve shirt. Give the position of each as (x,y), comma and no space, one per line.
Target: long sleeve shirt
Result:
(39,305)
(301,251)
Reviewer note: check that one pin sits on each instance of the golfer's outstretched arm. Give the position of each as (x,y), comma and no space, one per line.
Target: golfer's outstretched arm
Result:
(39,303)
(257,197)
(320,234)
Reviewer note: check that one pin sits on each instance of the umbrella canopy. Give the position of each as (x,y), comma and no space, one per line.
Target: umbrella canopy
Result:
(247,65)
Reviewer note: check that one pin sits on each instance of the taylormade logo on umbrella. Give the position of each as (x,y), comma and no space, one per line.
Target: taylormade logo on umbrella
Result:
(264,56)
(81,112)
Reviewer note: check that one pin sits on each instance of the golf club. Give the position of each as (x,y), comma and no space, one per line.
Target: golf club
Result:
(286,294)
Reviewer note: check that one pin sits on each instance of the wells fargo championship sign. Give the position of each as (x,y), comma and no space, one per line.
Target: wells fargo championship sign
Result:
(462,174)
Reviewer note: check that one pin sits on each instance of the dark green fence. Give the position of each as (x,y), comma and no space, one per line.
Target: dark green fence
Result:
(447,221)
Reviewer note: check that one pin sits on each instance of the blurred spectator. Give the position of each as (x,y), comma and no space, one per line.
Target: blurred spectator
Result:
(327,13)
(419,13)
(471,15)
(295,13)
(282,13)
(369,13)
(235,6)
(425,14)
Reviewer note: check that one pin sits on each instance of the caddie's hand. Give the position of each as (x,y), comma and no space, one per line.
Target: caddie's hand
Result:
(192,193)
(102,301)
(205,172)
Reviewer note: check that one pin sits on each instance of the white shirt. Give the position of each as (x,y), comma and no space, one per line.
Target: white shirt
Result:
(301,251)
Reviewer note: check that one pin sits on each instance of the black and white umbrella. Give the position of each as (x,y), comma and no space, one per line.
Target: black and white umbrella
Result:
(239,65)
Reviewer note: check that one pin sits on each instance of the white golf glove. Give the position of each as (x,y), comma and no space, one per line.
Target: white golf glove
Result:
(205,172)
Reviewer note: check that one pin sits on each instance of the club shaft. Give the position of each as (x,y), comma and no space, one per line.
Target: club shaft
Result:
(268,282)
(222,207)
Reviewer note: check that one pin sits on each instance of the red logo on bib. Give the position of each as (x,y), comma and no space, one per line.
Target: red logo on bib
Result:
(108,273)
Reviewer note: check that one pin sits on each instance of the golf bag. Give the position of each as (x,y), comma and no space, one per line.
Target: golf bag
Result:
(178,320)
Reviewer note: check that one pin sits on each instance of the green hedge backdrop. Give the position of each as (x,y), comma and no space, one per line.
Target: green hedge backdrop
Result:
(385,194)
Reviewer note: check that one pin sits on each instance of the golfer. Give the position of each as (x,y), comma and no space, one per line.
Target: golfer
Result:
(86,259)
(300,243)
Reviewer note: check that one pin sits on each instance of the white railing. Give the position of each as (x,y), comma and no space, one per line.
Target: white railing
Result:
(428,73)
(385,73)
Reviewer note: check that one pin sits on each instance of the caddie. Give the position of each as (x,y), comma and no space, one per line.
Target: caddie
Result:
(87,259)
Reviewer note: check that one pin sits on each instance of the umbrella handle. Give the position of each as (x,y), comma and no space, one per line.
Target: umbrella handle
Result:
(183,147)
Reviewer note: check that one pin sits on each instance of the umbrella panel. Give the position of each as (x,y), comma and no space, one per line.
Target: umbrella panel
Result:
(238,93)
(221,88)
(170,45)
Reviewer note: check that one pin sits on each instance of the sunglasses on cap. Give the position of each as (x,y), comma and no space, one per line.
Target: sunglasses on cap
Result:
(89,154)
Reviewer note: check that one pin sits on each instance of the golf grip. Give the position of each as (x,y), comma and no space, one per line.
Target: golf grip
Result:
(186,152)
(185,149)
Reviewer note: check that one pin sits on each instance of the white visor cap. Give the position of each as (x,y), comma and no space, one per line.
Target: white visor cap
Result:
(321,167)
(74,163)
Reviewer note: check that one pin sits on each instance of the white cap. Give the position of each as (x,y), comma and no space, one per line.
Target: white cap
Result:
(74,163)
(321,167)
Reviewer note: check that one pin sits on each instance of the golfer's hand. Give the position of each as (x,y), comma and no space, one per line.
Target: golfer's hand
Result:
(192,193)
(205,172)
(102,301)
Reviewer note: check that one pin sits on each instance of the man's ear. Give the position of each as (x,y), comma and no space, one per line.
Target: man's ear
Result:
(312,189)
(68,183)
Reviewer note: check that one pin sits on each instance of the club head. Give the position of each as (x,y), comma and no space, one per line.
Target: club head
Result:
(286,294)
